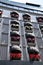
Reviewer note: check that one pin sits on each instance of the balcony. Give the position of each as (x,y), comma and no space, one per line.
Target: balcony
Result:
(33,54)
(26,17)
(30,39)
(15,53)
(14,15)
(40,19)
(15,38)
(28,27)
(14,26)
(0,13)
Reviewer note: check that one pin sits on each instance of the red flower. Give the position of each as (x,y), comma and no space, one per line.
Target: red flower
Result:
(15,55)
(35,56)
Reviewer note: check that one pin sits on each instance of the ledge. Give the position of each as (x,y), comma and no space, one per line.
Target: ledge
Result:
(19,63)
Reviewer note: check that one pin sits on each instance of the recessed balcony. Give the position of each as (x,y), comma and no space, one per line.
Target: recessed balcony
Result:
(15,27)
(28,27)
(30,38)
(15,53)
(40,19)
(14,15)
(33,54)
(26,17)
(15,36)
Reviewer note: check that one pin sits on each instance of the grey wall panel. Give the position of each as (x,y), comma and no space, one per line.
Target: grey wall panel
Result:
(39,41)
(4,38)
(5,20)
(37,33)
(35,25)
(20,63)
(5,28)
(3,52)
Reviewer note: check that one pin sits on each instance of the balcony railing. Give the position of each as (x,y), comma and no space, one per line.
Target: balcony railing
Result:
(15,43)
(15,29)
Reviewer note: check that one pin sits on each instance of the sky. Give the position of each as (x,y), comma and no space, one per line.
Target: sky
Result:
(30,1)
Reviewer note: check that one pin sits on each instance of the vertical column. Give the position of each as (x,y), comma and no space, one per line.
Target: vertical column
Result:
(23,41)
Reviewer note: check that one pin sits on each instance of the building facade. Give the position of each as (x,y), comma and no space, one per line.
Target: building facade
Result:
(21,25)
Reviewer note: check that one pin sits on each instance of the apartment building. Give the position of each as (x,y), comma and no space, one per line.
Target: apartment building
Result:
(21,31)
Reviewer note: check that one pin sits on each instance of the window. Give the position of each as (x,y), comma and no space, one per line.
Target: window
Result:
(14,15)
(26,17)
(15,53)
(33,54)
